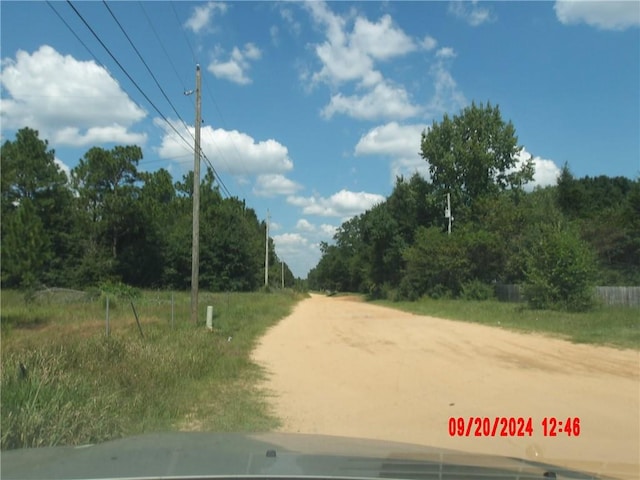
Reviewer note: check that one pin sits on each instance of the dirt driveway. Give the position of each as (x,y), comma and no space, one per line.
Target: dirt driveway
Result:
(342,367)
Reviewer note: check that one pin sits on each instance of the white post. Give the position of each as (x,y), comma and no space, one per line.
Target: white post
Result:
(210,317)
(448,212)
(266,254)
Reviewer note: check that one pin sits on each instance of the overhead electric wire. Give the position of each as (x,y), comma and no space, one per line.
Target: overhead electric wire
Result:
(193,55)
(146,66)
(216,174)
(97,37)
(166,54)
(75,35)
(127,73)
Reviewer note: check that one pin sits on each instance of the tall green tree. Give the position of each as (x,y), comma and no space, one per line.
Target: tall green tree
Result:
(34,190)
(105,181)
(474,154)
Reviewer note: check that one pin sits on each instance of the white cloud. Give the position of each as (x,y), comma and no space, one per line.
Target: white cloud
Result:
(328,230)
(301,249)
(383,101)
(273,226)
(305,226)
(69,101)
(203,14)
(429,43)
(297,251)
(63,166)
(446,52)
(381,40)
(605,15)
(344,204)
(268,185)
(546,171)
(323,231)
(447,96)
(235,69)
(350,55)
(401,143)
(97,135)
(287,16)
(471,12)
(407,166)
(273,32)
(391,139)
(232,152)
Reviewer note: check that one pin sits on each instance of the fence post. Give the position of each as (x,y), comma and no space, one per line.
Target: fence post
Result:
(137,320)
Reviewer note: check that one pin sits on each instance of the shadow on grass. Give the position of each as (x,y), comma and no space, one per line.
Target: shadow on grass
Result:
(23,321)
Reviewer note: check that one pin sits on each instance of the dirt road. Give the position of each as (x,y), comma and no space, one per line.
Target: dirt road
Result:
(342,367)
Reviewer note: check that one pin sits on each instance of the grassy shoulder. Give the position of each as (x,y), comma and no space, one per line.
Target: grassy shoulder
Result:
(64,382)
(612,326)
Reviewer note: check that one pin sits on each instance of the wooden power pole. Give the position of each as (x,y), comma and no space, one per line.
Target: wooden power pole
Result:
(195,241)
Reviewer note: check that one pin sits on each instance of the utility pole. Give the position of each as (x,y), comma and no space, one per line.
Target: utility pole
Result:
(195,239)
(447,212)
(266,254)
(282,265)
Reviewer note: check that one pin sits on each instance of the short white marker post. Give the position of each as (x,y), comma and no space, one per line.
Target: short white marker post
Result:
(210,317)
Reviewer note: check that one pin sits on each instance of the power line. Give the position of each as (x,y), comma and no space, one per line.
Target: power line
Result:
(193,55)
(124,70)
(76,35)
(144,62)
(175,70)
(225,189)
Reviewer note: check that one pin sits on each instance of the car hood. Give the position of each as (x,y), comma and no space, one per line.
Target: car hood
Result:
(268,455)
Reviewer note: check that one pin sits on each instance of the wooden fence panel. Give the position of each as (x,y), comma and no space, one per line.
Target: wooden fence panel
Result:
(626,296)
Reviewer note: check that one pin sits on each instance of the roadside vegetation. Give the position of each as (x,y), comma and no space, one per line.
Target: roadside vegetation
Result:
(603,325)
(558,242)
(64,382)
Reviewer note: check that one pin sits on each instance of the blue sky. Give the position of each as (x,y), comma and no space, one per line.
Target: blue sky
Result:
(310,110)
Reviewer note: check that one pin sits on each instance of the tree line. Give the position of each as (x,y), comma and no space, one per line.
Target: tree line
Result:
(111,222)
(557,241)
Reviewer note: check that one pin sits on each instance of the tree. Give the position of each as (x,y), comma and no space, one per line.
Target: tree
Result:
(436,264)
(36,212)
(474,154)
(105,181)
(25,247)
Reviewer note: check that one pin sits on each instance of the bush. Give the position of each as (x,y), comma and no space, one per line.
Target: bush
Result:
(477,290)
(119,289)
(560,271)
(407,290)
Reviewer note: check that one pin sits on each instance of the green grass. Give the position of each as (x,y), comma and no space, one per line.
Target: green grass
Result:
(82,387)
(613,326)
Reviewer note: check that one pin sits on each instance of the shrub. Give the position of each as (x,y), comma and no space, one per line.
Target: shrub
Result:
(477,290)
(560,271)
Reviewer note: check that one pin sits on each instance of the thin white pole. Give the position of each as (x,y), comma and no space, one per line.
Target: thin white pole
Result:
(266,254)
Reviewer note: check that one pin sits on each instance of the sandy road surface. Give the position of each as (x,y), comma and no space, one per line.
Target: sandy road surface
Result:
(342,367)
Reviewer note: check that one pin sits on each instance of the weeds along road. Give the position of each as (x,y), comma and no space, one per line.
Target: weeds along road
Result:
(339,366)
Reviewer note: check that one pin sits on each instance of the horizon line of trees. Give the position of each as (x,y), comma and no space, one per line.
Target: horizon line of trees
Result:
(557,241)
(110,222)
